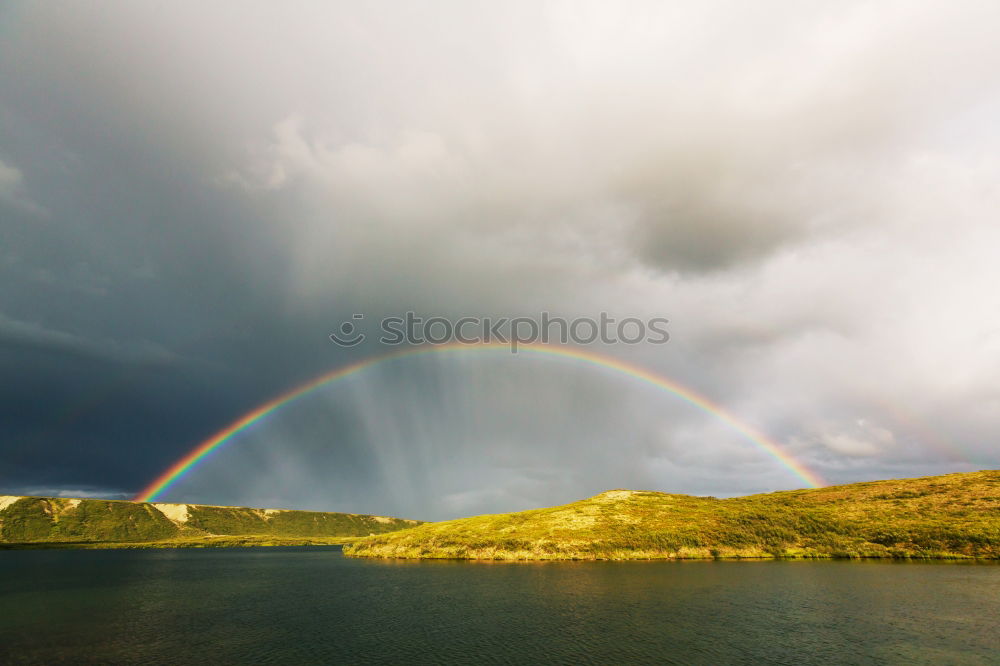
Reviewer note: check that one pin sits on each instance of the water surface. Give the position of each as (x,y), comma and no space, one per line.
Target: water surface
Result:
(312,605)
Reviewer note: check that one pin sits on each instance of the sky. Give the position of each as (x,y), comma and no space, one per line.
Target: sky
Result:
(193,197)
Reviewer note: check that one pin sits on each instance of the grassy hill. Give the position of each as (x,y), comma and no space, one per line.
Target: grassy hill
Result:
(957,515)
(55,522)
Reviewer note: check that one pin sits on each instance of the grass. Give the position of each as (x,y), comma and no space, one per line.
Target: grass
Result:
(50,522)
(952,516)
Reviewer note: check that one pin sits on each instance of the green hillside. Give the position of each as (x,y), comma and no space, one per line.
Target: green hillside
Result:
(952,516)
(53,522)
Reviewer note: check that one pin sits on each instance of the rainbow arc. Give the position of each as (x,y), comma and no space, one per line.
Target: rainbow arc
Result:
(190,461)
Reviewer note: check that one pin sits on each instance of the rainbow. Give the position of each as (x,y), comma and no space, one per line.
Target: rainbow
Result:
(184,466)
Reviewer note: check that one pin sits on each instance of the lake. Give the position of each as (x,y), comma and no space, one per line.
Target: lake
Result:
(312,605)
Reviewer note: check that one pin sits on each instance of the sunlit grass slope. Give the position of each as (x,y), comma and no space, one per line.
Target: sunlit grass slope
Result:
(957,515)
(55,522)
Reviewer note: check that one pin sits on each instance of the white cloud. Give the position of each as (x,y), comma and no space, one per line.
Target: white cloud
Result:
(797,195)
(858,439)
(80,492)
(12,191)
(35,335)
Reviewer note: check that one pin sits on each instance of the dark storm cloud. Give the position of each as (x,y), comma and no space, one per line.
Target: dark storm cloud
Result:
(192,197)
(139,312)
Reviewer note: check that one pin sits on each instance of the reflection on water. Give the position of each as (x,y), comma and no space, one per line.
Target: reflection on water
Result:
(312,605)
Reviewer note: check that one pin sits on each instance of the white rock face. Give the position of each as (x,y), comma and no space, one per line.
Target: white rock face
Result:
(7,500)
(175,512)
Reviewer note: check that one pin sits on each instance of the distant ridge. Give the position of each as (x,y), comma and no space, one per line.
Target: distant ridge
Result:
(951,516)
(66,522)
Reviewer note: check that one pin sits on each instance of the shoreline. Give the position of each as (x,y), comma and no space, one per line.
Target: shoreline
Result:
(208,542)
